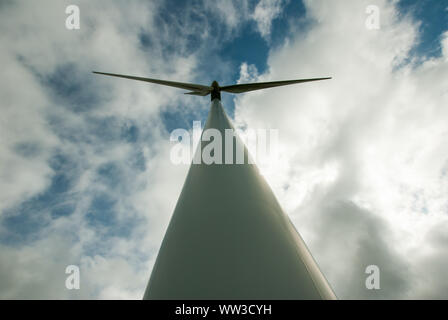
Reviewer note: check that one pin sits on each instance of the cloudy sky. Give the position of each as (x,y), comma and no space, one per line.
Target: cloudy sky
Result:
(85,173)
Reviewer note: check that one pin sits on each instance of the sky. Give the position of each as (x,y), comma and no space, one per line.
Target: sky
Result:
(85,175)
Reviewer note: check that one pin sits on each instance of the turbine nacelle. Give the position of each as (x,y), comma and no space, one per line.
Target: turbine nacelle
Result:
(216,92)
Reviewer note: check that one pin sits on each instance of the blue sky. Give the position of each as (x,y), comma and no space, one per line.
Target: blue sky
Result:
(433,18)
(92,151)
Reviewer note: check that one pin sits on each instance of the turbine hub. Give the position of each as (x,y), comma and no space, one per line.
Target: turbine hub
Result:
(216,92)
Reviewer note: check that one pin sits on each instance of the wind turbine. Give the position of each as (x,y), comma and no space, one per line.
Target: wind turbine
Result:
(228,237)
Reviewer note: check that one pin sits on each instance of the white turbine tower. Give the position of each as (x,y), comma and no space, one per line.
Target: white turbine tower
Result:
(228,237)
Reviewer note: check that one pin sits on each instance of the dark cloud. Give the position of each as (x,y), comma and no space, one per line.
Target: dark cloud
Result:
(431,280)
(348,239)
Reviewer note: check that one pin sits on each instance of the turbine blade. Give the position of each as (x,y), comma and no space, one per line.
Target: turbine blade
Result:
(180,85)
(246,87)
(196,93)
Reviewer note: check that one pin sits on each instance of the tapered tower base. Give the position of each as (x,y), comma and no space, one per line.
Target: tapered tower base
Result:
(229,238)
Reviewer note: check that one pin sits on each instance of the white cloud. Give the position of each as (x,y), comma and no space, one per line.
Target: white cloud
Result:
(232,13)
(25,140)
(235,13)
(378,128)
(248,73)
(264,13)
